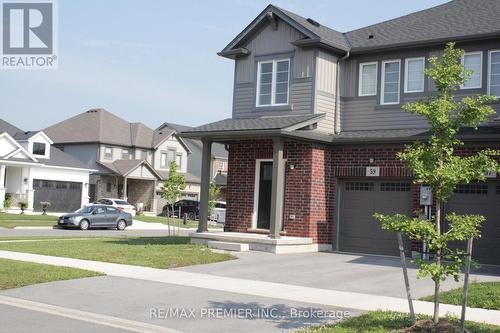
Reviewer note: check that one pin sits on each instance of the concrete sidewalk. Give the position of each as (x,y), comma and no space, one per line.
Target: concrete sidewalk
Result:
(282,291)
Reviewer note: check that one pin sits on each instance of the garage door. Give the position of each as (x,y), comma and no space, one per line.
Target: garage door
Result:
(360,199)
(484,199)
(63,196)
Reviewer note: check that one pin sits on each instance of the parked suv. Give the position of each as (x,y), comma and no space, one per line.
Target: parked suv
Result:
(118,203)
(191,207)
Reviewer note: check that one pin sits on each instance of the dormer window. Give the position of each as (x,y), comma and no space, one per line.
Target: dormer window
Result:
(273,82)
(39,148)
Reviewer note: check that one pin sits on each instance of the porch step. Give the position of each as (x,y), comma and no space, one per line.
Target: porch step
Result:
(238,247)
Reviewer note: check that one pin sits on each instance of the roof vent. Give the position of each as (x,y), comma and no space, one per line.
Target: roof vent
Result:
(370,36)
(313,22)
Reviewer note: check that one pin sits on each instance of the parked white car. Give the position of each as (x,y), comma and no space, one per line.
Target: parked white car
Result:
(118,203)
(220,212)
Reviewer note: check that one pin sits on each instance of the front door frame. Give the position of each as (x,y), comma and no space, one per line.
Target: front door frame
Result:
(255,213)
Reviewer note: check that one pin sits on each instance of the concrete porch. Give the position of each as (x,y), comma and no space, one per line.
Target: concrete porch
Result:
(235,241)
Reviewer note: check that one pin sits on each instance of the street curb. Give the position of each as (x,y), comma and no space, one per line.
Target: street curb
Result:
(36,228)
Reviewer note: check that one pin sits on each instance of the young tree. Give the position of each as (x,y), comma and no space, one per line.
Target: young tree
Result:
(213,193)
(435,163)
(172,187)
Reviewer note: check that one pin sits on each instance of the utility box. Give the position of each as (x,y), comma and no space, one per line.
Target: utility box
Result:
(425,196)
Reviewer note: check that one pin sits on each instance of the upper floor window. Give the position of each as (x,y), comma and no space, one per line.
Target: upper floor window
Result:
(142,154)
(368,79)
(167,158)
(108,153)
(125,153)
(473,61)
(273,82)
(414,75)
(39,148)
(178,160)
(494,74)
(390,81)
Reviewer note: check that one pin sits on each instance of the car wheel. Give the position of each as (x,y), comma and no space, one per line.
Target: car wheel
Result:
(191,216)
(121,225)
(84,225)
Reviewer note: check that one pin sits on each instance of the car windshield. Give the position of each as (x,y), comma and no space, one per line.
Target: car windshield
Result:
(85,210)
(120,202)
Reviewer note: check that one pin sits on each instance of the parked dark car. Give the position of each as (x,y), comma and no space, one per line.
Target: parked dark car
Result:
(96,216)
(191,207)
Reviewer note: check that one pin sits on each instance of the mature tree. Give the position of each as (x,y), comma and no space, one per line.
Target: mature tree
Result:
(434,163)
(173,185)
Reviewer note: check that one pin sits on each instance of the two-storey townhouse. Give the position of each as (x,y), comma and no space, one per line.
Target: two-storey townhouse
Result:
(33,171)
(219,164)
(317,122)
(131,159)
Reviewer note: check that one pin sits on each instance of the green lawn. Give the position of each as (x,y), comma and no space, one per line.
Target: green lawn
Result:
(173,221)
(157,252)
(385,321)
(26,220)
(484,295)
(15,274)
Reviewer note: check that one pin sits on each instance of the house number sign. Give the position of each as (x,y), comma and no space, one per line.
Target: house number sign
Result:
(372,171)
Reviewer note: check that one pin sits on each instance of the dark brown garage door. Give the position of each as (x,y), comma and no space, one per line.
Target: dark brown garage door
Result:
(484,199)
(360,199)
(63,196)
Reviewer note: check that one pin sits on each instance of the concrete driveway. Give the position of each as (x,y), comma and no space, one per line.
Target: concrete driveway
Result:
(140,301)
(375,275)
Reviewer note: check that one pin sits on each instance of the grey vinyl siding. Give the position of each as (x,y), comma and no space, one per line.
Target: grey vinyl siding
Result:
(366,113)
(86,153)
(325,103)
(274,44)
(325,90)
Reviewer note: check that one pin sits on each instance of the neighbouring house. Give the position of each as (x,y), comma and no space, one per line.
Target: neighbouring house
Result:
(32,171)
(317,122)
(131,160)
(219,163)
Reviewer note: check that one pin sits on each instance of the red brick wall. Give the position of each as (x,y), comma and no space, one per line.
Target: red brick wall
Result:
(308,188)
(311,184)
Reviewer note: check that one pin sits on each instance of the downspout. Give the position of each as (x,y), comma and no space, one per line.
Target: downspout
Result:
(337,95)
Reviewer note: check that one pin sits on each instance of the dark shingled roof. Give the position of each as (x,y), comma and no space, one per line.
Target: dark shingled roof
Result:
(99,125)
(220,179)
(482,133)
(190,178)
(9,128)
(57,157)
(218,150)
(326,35)
(453,20)
(262,123)
(124,167)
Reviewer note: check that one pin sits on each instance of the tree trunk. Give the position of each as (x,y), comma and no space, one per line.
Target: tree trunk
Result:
(405,275)
(466,283)
(438,261)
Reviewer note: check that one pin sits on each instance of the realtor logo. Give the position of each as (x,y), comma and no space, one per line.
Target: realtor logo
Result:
(28,34)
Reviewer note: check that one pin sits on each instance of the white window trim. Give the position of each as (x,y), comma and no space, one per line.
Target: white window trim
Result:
(361,65)
(273,83)
(45,150)
(164,166)
(407,60)
(382,88)
(108,157)
(480,71)
(489,69)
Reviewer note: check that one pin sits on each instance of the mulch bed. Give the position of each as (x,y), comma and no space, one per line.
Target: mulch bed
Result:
(428,326)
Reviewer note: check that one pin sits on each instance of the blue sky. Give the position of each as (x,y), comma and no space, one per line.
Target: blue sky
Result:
(154,61)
